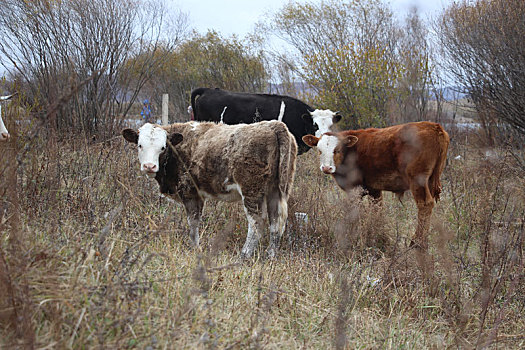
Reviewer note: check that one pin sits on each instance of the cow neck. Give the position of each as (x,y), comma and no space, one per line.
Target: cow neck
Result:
(177,161)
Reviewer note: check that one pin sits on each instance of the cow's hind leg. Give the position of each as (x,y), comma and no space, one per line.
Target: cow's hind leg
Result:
(277,215)
(255,209)
(425,204)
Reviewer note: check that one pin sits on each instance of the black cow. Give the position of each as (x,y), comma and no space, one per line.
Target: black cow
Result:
(237,107)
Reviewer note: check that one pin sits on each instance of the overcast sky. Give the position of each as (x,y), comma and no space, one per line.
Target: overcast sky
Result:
(230,17)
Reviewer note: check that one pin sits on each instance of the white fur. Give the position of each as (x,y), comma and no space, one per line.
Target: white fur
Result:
(326,147)
(281,112)
(323,118)
(151,143)
(4,134)
(222,115)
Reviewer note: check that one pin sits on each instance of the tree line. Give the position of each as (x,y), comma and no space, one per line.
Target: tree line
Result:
(352,56)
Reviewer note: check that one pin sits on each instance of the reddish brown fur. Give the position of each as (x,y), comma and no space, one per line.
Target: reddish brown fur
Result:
(398,158)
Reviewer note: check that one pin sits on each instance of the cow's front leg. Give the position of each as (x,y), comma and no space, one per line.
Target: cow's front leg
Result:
(194,212)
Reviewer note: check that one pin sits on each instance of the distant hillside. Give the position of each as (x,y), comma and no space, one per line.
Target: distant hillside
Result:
(450,93)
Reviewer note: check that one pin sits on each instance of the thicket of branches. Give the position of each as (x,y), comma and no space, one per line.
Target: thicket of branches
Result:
(208,60)
(484,51)
(358,59)
(52,46)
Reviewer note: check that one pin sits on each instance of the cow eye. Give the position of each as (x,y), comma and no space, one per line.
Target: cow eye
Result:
(163,148)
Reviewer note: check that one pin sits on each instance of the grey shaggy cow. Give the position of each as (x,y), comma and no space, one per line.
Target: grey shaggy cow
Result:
(254,163)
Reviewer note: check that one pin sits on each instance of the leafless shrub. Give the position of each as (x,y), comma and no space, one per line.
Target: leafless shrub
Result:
(48,43)
(482,50)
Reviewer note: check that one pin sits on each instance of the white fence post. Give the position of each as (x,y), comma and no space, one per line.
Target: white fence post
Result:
(165,99)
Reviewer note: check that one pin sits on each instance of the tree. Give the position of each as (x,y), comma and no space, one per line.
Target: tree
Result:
(54,45)
(484,50)
(347,51)
(209,61)
(415,84)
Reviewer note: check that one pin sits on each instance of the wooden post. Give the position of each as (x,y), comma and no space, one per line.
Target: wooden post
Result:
(165,99)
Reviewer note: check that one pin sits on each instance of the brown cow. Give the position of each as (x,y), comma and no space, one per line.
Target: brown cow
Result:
(397,159)
(252,162)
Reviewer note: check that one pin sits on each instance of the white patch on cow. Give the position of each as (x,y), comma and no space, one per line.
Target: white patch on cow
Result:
(324,119)
(233,193)
(222,115)
(281,112)
(326,147)
(252,238)
(4,134)
(234,187)
(151,143)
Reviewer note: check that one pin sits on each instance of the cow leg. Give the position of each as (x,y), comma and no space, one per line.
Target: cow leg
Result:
(255,213)
(277,215)
(194,212)
(375,194)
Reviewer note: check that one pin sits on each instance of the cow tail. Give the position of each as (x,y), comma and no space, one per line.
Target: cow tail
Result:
(287,147)
(194,96)
(434,182)
(287,155)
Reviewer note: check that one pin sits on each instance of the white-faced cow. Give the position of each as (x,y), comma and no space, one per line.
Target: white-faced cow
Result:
(254,163)
(4,134)
(397,159)
(216,105)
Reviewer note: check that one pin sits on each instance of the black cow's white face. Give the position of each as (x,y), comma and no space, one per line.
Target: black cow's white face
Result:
(323,119)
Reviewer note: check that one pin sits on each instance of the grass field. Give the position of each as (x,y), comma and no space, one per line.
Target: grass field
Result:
(92,256)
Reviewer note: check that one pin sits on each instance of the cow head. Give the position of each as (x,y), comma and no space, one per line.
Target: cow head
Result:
(332,149)
(152,142)
(322,120)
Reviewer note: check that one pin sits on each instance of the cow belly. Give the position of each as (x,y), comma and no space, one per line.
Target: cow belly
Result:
(230,194)
(388,182)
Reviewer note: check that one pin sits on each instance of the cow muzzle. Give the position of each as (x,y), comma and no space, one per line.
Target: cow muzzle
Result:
(150,169)
(328,169)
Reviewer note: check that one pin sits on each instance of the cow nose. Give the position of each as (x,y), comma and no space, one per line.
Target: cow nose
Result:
(150,167)
(327,169)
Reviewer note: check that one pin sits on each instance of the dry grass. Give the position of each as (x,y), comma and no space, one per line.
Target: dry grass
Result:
(93,257)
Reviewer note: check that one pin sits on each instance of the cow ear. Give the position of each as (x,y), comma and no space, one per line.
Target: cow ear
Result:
(310,140)
(130,135)
(175,138)
(336,118)
(307,118)
(350,140)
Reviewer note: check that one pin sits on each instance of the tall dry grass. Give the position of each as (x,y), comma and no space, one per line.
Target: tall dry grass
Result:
(92,256)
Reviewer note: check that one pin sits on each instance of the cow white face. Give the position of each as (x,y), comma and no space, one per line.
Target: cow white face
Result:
(324,119)
(331,149)
(151,142)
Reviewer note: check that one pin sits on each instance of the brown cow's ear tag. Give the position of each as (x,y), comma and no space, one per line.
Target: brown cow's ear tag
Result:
(310,140)
(350,140)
